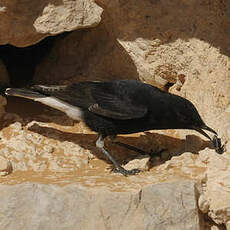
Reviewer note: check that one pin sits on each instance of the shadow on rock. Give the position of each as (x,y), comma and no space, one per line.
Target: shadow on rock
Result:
(149,142)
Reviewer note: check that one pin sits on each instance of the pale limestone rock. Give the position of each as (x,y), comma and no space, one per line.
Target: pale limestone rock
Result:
(227,225)
(69,16)
(215,199)
(160,206)
(31,151)
(214,227)
(165,41)
(138,163)
(203,204)
(5,166)
(185,160)
(38,19)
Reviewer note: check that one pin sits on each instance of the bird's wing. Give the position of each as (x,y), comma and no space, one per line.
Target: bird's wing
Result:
(102,98)
(112,105)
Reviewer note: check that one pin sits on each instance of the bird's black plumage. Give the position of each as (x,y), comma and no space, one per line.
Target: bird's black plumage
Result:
(126,106)
(122,107)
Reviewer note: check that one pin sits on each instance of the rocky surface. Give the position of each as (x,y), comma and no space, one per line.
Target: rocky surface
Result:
(46,147)
(54,207)
(78,56)
(45,142)
(180,46)
(5,166)
(155,41)
(24,23)
(214,199)
(68,16)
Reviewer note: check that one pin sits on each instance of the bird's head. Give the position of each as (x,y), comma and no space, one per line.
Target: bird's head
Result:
(192,120)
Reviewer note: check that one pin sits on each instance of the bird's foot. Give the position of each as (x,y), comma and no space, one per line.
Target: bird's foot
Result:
(126,172)
(157,154)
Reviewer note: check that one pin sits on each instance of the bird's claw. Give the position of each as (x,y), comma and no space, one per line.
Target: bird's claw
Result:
(217,144)
(126,172)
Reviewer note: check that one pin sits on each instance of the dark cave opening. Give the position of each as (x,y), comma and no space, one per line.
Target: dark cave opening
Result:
(21,62)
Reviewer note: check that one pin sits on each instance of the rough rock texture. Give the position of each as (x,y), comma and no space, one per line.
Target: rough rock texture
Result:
(5,166)
(23,23)
(49,145)
(215,199)
(52,207)
(69,16)
(162,40)
(89,54)
(155,41)
(181,46)
(48,148)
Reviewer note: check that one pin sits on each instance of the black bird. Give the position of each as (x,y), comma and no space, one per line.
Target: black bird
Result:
(119,107)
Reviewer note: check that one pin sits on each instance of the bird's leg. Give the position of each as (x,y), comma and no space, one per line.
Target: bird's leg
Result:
(130,147)
(118,168)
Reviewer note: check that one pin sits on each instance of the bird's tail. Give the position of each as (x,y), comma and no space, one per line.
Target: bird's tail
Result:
(23,92)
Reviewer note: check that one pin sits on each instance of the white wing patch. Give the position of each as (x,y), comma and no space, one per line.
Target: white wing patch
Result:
(71,111)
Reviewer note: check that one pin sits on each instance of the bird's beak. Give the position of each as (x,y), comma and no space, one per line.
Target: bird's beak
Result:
(215,140)
(203,133)
(209,129)
(199,129)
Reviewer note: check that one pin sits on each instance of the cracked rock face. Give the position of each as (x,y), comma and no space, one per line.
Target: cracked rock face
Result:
(214,199)
(53,207)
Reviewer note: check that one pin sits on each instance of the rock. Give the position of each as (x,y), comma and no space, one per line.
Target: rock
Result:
(138,163)
(161,53)
(214,199)
(161,206)
(69,16)
(5,166)
(227,225)
(38,19)
(170,44)
(214,227)
(31,151)
(185,160)
(203,204)
(83,57)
